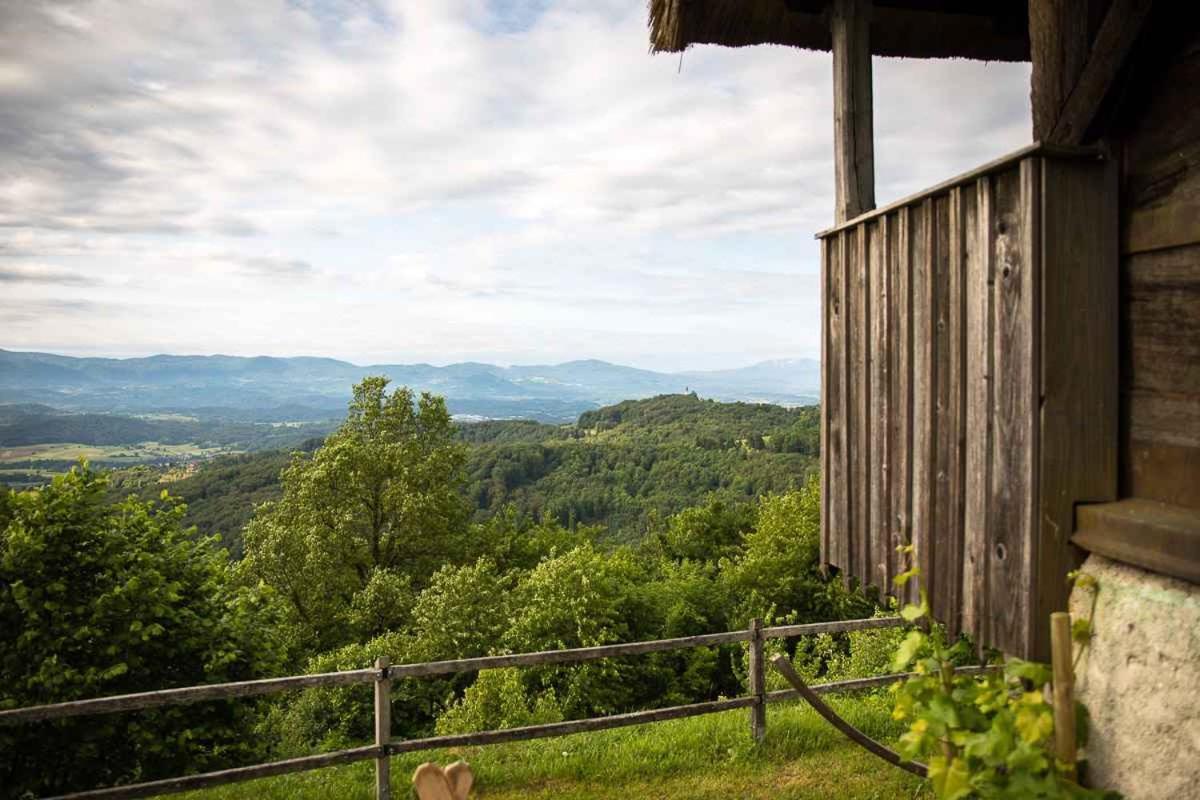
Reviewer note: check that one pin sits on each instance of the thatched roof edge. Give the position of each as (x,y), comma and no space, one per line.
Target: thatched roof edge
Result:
(913,32)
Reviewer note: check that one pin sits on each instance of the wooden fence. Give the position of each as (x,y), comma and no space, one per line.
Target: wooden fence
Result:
(968,399)
(382,675)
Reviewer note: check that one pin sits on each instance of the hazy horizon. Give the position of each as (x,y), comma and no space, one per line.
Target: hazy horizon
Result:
(396,182)
(426,361)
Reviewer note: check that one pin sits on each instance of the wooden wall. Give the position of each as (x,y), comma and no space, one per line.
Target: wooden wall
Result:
(1160,281)
(969,388)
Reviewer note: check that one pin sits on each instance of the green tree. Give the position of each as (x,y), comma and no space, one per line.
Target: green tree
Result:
(777,574)
(380,498)
(99,599)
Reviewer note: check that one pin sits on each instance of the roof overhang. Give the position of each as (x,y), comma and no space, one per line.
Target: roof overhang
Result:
(985,30)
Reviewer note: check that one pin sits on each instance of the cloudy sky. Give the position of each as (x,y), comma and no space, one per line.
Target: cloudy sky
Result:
(513,181)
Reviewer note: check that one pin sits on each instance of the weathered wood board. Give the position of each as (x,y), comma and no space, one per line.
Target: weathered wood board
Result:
(971,366)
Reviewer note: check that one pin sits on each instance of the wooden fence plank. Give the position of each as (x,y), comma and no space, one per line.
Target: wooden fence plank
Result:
(224,777)
(978,449)
(900,427)
(574,655)
(837,478)
(825,415)
(554,729)
(923,385)
(1010,524)
(811,628)
(181,696)
(859,425)
(947,552)
(960,209)
(879,351)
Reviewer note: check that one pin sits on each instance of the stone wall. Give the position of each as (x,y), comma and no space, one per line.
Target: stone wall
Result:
(1140,680)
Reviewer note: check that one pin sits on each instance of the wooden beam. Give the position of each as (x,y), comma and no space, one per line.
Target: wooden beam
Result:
(1114,40)
(1058,47)
(1155,536)
(853,116)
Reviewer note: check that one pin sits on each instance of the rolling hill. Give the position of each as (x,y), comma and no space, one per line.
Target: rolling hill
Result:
(268,389)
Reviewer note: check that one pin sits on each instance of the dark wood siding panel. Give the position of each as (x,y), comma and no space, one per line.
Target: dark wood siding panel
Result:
(1160,376)
(1160,194)
(1078,439)
(1160,287)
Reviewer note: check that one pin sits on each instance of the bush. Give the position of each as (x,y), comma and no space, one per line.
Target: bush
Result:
(497,700)
(99,599)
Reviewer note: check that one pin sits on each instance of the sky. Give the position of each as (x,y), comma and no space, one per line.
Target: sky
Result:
(391,181)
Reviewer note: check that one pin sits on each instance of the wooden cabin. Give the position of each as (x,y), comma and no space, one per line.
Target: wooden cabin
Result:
(1011,358)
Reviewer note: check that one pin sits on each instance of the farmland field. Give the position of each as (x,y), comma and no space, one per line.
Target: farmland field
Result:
(32,464)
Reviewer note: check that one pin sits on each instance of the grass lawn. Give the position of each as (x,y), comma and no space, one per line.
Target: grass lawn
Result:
(698,758)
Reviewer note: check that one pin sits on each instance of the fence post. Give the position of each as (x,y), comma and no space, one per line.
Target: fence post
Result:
(383,729)
(1064,690)
(758,682)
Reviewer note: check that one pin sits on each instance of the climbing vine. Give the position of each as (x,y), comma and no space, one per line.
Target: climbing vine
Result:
(986,735)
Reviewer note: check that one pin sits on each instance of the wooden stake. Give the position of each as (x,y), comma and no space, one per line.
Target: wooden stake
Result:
(383,729)
(757,687)
(1064,690)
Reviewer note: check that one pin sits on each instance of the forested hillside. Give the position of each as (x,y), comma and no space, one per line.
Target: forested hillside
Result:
(407,535)
(626,467)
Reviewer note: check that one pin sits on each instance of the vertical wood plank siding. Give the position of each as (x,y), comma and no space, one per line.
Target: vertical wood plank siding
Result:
(964,409)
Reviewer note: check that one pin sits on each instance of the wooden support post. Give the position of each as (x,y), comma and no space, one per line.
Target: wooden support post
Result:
(1064,689)
(758,682)
(1058,43)
(853,116)
(383,729)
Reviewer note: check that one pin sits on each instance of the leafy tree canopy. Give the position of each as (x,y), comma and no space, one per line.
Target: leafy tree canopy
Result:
(378,503)
(99,599)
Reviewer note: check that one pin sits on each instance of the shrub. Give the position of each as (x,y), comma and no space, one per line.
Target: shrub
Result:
(498,699)
(99,599)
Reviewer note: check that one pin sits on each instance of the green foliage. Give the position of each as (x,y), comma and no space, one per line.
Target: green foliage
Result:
(329,718)
(498,700)
(708,532)
(380,496)
(463,613)
(631,465)
(624,469)
(983,736)
(777,573)
(99,599)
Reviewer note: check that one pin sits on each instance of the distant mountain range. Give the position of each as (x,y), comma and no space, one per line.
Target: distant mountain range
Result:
(267,389)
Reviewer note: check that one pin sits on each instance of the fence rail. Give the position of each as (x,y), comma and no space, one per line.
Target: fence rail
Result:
(384,673)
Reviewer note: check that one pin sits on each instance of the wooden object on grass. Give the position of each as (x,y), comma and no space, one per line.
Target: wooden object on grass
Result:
(757,682)
(784,668)
(431,782)
(383,729)
(1064,690)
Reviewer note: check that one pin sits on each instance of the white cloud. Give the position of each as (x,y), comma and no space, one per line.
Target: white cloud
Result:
(440,179)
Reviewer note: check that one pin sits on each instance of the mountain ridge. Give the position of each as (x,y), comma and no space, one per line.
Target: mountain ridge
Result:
(314,387)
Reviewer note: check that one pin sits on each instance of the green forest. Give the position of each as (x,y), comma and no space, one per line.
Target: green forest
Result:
(406,535)
(626,468)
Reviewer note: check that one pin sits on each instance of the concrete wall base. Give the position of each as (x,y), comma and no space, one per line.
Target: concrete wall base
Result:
(1140,680)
